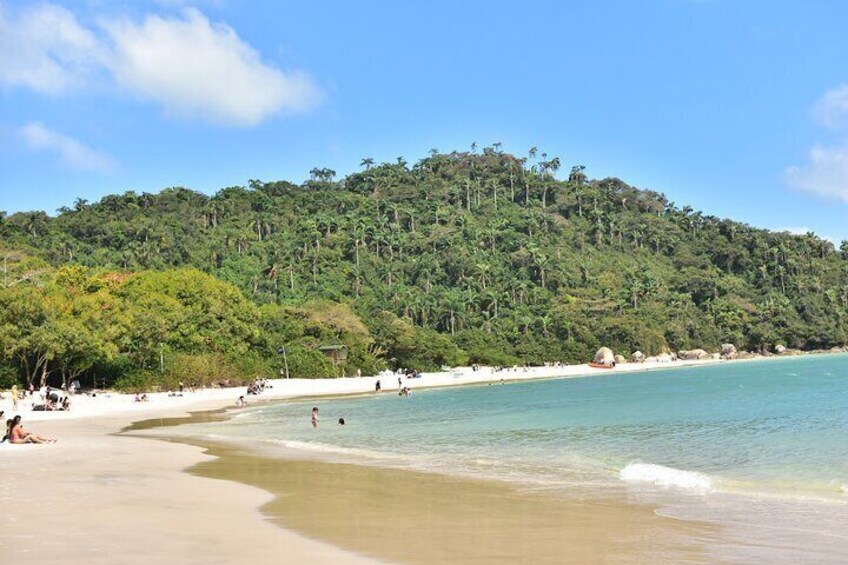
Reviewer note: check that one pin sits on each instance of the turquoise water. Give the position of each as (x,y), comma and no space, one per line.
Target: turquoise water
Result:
(771,426)
(758,446)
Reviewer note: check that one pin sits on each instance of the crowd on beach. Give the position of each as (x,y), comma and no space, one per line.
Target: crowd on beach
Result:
(255,388)
(45,400)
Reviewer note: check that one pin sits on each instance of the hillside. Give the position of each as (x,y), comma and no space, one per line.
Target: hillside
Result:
(485,257)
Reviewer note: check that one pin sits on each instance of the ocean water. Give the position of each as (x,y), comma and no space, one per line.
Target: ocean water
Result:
(761,446)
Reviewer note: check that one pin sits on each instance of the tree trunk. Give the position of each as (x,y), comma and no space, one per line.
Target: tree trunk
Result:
(44,373)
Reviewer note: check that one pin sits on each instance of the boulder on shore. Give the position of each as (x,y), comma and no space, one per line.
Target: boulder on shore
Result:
(604,356)
(728,351)
(619,359)
(693,354)
(665,358)
(637,357)
(779,349)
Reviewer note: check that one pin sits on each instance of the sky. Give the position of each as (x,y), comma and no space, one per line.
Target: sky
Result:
(738,108)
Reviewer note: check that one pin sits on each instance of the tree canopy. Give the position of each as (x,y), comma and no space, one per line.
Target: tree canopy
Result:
(462,257)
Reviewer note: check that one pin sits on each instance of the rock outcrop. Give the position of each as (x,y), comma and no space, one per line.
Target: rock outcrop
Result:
(619,359)
(728,351)
(693,354)
(604,356)
(637,357)
(780,349)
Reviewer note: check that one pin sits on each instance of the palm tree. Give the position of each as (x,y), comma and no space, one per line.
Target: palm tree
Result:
(454,303)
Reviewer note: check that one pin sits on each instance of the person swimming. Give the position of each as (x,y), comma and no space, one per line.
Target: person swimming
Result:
(341,421)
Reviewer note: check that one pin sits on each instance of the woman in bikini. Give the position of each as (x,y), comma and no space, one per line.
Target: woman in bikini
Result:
(19,436)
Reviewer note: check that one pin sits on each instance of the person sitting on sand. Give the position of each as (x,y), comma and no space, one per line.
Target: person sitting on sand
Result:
(241,402)
(18,436)
(315,417)
(8,429)
(66,404)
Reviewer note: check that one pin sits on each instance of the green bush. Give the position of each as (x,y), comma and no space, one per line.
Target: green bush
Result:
(139,381)
(305,363)
(486,349)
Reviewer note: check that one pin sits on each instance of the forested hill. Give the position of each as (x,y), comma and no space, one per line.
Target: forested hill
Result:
(508,260)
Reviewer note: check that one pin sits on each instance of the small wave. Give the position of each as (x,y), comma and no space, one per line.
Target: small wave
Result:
(665,476)
(332,449)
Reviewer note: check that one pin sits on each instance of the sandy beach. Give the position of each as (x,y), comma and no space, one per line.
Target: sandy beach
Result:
(98,497)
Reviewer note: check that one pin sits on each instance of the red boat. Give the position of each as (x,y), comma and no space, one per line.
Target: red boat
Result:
(601,366)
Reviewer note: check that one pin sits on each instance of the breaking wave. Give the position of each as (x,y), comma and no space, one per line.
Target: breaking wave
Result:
(665,476)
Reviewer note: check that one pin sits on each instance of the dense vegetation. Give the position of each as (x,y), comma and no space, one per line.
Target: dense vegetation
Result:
(463,257)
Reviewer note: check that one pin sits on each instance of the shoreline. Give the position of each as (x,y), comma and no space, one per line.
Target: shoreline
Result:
(108,404)
(409,516)
(91,457)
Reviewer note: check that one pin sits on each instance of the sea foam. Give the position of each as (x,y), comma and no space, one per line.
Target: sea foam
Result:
(665,476)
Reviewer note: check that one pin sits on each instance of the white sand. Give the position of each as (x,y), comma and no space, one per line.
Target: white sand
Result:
(114,404)
(95,497)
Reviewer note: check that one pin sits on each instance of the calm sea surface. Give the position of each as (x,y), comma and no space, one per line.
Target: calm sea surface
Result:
(760,445)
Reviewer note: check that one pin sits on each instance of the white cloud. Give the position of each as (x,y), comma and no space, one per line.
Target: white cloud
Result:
(825,173)
(200,70)
(71,152)
(191,67)
(831,110)
(46,49)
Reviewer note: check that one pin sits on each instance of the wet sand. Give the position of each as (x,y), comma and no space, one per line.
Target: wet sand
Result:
(423,518)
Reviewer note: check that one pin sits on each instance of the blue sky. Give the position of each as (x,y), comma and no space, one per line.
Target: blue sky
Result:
(737,108)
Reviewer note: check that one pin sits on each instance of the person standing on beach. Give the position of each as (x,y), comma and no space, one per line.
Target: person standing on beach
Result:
(377,386)
(400,383)
(315,417)
(14,397)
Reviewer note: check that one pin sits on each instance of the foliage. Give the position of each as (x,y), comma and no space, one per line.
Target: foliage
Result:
(476,256)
